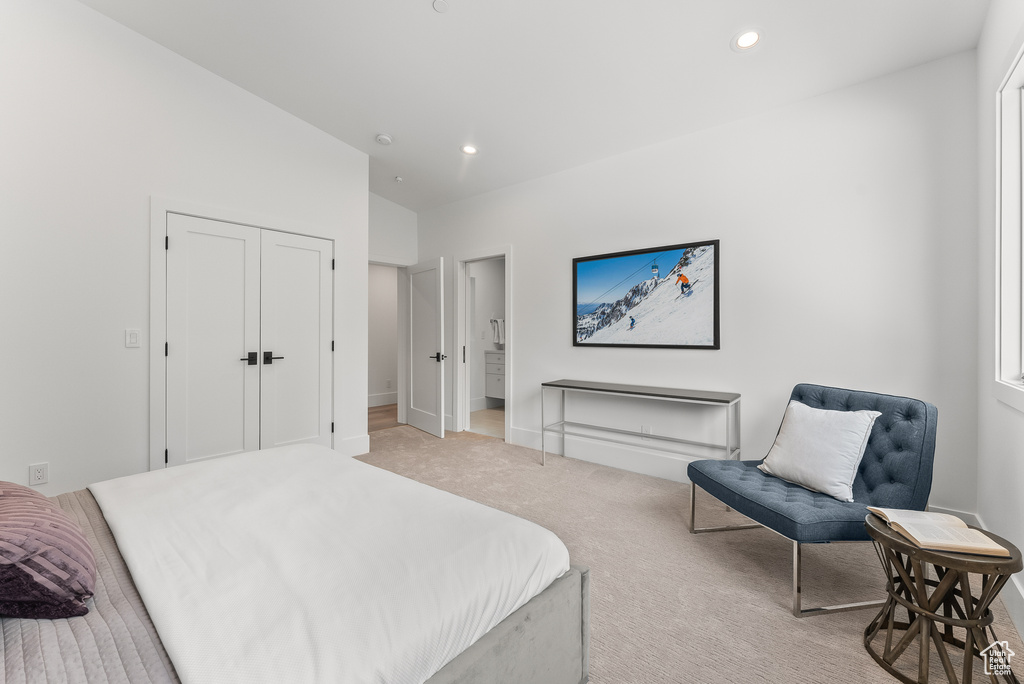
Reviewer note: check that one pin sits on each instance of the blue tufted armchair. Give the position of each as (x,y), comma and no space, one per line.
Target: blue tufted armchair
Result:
(896,472)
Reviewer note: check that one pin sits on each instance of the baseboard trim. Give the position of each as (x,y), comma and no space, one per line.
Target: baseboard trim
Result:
(633,458)
(531,440)
(353,446)
(383,399)
(1013,598)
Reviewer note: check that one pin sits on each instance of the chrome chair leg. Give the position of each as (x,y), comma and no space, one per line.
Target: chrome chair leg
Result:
(808,612)
(693,518)
(798,610)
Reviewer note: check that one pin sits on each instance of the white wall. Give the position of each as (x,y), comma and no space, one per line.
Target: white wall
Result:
(383,336)
(488,301)
(94,120)
(392,233)
(1000,461)
(848,257)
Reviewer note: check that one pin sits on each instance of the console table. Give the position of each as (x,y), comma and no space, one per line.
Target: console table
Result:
(729,402)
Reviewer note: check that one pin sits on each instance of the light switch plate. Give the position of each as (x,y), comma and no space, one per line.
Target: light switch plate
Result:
(132,337)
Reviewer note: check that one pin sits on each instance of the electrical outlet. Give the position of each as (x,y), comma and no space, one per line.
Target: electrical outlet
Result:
(38,473)
(645,430)
(388,382)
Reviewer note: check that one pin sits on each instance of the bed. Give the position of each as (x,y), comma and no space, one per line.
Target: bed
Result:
(174,603)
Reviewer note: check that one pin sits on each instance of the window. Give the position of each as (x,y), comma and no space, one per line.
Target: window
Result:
(1009,356)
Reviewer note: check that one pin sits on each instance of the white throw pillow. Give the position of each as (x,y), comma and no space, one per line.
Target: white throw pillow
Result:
(820,449)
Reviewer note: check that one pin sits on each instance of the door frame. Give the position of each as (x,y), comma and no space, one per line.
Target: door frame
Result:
(158,210)
(461,390)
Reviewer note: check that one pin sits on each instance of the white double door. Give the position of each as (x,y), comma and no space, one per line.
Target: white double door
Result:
(249,337)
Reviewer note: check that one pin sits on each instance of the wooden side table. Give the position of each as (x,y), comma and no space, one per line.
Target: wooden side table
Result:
(950,615)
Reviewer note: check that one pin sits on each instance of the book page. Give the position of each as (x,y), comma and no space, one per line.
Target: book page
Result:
(946,538)
(917,517)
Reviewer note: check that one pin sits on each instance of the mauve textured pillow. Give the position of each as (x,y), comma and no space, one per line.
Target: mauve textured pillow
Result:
(47,569)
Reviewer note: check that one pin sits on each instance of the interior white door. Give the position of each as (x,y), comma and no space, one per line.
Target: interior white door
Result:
(249,335)
(426,347)
(296,287)
(213,325)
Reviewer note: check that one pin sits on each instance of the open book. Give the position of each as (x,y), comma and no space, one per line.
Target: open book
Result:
(939,531)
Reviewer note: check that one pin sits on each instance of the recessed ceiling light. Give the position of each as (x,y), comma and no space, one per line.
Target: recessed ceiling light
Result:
(469,149)
(383,138)
(746,40)
(440,6)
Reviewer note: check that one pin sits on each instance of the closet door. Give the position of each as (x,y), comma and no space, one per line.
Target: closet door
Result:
(249,322)
(296,320)
(213,324)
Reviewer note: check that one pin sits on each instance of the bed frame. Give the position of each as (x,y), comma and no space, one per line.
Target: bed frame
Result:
(546,640)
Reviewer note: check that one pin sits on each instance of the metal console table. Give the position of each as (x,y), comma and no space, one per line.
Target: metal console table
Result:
(728,401)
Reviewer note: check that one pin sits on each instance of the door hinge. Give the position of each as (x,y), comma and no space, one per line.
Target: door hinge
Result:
(165,456)
(463,353)
(165,348)
(167,241)
(332,345)
(332,264)
(332,426)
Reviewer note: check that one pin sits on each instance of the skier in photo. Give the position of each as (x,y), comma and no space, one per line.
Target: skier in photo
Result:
(632,322)
(683,282)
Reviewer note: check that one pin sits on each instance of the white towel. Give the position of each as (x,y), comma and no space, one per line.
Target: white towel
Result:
(498,328)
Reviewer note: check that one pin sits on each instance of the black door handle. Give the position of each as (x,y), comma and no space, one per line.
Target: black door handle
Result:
(251,358)
(268,357)
(439,357)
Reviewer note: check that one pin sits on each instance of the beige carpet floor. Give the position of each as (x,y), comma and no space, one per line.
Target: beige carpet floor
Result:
(668,606)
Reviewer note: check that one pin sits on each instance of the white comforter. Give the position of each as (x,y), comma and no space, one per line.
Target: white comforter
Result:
(297,564)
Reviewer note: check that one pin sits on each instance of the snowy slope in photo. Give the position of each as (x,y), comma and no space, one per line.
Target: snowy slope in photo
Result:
(663,315)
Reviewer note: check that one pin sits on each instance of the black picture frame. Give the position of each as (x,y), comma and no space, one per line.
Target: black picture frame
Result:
(636,298)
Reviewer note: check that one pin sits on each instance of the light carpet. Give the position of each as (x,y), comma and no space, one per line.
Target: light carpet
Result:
(668,606)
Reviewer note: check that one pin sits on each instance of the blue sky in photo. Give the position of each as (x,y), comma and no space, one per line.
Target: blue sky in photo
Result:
(607,280)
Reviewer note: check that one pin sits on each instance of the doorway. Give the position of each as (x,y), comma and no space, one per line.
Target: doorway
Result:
(485,346)
(382,366)
(420,386)
(483,391)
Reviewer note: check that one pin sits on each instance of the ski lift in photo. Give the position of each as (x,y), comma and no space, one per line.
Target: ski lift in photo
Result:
(654,269)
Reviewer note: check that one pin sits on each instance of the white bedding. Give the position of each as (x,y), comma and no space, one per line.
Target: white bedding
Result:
(297,564)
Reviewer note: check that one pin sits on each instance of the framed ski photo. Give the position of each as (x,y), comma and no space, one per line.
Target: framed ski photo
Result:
(660,297)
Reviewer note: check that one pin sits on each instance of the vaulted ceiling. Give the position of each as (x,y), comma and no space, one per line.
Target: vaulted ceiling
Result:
(538,85)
